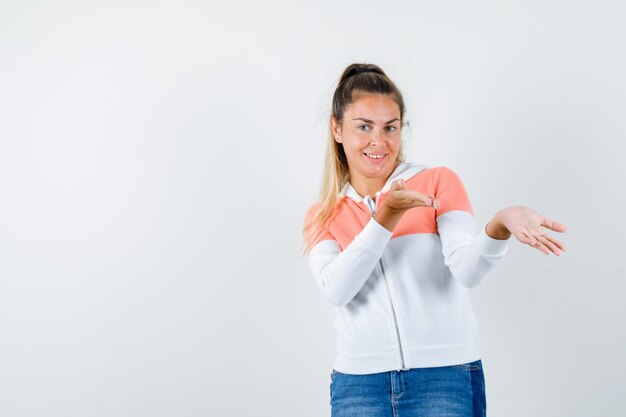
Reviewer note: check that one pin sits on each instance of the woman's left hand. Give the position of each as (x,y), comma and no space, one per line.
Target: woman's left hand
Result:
(527,227)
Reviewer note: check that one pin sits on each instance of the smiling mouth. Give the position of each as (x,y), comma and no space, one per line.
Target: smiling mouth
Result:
(374,156)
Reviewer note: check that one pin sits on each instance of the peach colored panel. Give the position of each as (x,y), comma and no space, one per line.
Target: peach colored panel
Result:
(322,236)
(351,218)
(439,182)
(418,219)
(450,191)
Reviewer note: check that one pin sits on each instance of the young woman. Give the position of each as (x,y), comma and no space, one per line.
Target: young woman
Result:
(394,246)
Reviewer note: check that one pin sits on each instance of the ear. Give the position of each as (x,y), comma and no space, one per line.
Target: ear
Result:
(335,128)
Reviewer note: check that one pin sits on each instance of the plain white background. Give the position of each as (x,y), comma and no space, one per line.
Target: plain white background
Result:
(157,159)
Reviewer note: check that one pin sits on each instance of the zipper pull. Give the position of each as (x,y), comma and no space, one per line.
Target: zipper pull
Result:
(371,204)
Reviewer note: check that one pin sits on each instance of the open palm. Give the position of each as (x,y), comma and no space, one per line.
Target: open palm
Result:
(528,227)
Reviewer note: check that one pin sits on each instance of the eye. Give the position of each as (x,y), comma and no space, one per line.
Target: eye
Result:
(391,128)
(365,126)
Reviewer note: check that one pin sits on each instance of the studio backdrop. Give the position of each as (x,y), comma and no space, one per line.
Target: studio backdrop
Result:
(157,159)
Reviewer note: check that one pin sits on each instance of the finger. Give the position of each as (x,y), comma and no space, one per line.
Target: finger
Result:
(433,202)
(524,238)
(550,245)
(533,241)
(427,200)
(541,247)
(552,225)
(422,200)
(397,185)
(558,244)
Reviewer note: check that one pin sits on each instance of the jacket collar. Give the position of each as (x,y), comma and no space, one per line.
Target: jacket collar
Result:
(404,170)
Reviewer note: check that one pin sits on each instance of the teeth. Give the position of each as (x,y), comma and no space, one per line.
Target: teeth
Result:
(374,156)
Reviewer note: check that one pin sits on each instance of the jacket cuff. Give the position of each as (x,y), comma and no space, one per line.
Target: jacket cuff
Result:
(375,235)
(489,246)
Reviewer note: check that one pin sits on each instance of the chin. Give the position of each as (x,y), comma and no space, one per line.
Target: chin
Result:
(385,169)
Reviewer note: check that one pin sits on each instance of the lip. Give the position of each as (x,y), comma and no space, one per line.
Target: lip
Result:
(375,160)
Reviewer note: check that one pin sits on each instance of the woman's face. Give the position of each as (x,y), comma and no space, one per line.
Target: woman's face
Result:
(370,135)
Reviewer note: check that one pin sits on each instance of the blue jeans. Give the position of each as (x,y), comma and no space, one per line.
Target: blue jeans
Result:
(446,391)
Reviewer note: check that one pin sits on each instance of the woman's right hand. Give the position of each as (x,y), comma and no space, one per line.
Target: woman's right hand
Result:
(400,199)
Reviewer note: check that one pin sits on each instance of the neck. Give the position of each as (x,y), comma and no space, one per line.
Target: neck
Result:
(369,185)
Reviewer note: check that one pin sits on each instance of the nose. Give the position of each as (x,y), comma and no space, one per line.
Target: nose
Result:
(375,139)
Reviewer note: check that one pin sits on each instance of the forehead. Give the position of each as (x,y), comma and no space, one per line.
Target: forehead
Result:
(373,106)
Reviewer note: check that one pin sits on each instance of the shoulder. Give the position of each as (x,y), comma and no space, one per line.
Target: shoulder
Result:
(450,190)
(315,227)
(444,174)
(410,169)
(432,175)
(312,211)
(443,170)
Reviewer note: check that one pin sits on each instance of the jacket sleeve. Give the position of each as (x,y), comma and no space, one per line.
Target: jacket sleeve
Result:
(341,274)
(468,255)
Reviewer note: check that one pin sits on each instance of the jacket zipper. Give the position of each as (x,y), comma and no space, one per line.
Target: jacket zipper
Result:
(393,310)
(393,313)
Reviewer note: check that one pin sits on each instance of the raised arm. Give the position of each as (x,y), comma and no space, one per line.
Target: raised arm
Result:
(342,274)
(468,255)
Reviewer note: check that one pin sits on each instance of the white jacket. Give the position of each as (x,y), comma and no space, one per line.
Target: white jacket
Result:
(402,297)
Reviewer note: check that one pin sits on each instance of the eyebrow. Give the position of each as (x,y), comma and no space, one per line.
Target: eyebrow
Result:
(372,122)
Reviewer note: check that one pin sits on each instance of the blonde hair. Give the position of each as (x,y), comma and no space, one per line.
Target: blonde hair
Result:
(356,78)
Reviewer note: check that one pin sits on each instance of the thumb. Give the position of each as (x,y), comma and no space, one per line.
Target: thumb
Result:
(398,185)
